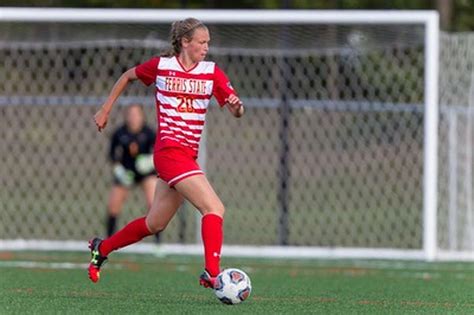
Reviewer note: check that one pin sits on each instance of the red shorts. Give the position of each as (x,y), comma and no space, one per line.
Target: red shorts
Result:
(174,164)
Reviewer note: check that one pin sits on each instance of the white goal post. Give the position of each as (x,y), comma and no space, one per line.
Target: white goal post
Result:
(428,20)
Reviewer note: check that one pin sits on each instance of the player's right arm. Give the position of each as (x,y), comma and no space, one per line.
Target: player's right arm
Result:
(102,115)
(146,72)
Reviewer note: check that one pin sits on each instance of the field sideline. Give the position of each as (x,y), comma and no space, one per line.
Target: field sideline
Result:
(46,283)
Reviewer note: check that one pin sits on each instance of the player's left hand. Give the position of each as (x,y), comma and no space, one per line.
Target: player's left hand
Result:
(235,105)
(100,119)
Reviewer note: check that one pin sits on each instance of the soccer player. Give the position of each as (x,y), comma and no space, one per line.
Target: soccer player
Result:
(184,85)
(131,152)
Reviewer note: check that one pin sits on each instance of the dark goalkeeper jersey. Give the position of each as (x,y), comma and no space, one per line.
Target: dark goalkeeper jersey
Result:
(126,146)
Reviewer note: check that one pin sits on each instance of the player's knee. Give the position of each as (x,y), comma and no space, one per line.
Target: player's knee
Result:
(155,227)
(216,207)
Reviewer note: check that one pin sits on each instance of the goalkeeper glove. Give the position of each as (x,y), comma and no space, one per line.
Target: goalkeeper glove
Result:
(144,164)
(124,176)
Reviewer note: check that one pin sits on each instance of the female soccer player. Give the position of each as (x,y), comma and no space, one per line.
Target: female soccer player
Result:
(184,85)
(131,149)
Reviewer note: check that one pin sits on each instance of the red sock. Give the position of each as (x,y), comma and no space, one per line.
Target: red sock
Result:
(211,230)
(131,233)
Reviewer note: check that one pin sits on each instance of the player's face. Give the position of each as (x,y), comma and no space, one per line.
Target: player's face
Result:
(135,118)
(198,46)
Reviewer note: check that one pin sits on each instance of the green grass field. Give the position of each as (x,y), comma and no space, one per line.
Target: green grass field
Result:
(57,283)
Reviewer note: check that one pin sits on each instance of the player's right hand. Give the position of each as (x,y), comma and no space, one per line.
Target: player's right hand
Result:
(100,119)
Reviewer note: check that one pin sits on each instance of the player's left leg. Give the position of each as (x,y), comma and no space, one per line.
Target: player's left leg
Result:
(200,193)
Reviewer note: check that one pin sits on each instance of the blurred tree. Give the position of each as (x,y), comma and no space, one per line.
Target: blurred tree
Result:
(445,9)
(463,15)
(455,15)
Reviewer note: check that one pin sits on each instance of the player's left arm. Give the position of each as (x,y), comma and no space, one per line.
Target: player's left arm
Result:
(102,116)
(225,93)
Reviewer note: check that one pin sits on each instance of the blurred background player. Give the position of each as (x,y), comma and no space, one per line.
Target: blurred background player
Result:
(131,152)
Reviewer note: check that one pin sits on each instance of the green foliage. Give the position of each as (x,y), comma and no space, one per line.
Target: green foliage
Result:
(462,17)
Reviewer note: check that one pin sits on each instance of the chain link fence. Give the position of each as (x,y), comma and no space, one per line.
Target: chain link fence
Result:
(456,212)
(330,152)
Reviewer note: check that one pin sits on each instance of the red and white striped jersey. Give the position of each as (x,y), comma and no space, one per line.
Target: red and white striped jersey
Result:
(182,98)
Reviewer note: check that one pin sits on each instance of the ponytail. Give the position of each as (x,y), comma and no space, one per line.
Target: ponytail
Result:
(179,30)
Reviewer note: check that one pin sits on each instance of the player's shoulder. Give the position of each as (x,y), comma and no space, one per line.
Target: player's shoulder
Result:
(205,67)
(218,70)
(166,62)
(208,66)
(152,61)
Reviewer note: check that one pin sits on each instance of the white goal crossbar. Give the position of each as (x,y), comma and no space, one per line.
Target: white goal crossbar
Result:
(145,16)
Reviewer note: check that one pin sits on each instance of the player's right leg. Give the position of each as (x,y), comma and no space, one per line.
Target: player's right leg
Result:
(117,197)
(165,204)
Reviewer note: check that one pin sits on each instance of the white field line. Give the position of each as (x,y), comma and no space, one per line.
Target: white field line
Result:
(46,265)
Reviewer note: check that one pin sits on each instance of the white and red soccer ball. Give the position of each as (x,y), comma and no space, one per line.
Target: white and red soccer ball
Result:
(232,286)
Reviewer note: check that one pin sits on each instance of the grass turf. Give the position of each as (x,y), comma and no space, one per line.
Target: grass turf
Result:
(141,284)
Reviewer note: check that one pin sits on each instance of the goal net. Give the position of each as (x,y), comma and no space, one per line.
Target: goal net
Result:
(335,157)
(456,213)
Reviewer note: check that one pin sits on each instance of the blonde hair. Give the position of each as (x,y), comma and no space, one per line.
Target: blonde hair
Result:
(179,30)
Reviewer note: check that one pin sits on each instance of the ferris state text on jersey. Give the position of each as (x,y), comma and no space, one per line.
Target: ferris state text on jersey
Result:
(188,86)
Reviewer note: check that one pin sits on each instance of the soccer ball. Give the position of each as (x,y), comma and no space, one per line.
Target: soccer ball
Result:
(232,286)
